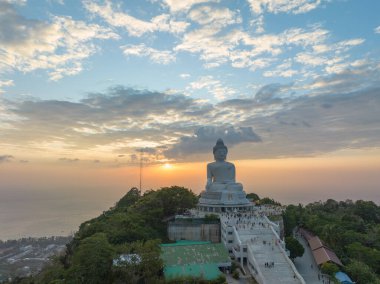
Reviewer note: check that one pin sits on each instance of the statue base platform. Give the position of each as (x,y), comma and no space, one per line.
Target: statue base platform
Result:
(224,200)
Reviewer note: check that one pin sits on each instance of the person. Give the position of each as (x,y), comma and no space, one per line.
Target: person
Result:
(221,174)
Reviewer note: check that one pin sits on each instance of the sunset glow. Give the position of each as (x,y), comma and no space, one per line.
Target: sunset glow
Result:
(167,166)
(102,96)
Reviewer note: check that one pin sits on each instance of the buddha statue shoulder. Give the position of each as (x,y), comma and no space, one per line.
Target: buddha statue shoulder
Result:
(221,174)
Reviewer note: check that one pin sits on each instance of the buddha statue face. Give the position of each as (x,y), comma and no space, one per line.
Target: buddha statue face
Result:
(220,154)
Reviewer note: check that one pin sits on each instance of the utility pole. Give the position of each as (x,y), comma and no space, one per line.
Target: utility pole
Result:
(141,165)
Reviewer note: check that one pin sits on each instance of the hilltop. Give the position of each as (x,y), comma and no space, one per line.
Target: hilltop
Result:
(136,225)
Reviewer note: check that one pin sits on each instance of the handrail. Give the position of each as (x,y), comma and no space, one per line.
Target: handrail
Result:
(284,252)
(260,276)
(292,266)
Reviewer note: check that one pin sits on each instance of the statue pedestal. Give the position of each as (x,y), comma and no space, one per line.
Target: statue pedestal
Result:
(224,200)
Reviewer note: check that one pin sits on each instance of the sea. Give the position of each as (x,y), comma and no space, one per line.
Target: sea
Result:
(43,213)
(59,212)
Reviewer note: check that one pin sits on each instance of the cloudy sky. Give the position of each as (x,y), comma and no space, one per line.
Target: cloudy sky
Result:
(92,84)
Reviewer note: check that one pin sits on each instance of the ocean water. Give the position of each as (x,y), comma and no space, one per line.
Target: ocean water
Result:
(59,212)
(36,213)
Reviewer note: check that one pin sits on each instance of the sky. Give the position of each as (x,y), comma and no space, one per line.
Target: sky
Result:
(88,89)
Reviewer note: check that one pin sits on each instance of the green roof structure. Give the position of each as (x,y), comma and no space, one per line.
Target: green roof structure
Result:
(194,259)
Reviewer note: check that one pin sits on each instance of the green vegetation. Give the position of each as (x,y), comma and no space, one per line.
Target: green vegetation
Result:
(269,201)
(198,280)
(135,225)
(145,271)
(211,218)
(351,229)
(294,246)
(253,196)
(235,274)
(275,218)
(329,268)
(362,272)
(266,200)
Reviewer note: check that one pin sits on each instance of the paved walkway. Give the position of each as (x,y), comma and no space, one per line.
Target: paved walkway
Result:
(306,265)
(278,270)
(256,233)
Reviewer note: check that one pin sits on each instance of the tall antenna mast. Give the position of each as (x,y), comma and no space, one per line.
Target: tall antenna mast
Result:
(141,164)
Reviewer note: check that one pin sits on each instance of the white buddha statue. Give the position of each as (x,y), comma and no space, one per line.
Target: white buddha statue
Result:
(221,174)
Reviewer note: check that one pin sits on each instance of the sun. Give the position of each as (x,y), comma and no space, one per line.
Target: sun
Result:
(167,166)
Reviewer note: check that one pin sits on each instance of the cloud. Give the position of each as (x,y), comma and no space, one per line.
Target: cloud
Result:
(359,76)
(205,137)
(184,75)
(147,150)
(58,46)
(212,48)
(183,6)
(267,101)
(243,50)
(16,2)
(283,6)
(330,113)
(283,70)
(212,86)
(156,56)
(117,119)
(321,124)
(377,30)
(6,83)
(6,158)
(258,24)
(339,111)
(268,94)
(331,58)
(221,17)
(68,160)
(135,27)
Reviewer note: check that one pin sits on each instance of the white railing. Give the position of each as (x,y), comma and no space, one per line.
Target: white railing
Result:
(300,278)
(258,275)
(282,249)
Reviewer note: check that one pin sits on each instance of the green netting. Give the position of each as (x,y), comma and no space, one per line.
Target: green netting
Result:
(193,254)
(195,259)
(185,243)
(205,271)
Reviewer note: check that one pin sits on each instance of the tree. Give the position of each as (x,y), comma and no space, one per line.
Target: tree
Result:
(329,268)
(147,270)
(330,205)
(253,196)
(365,254)
(290,219)
(294,246)
(212,218)
(176,199)
(54,271)
(129,199)
(331,234)
(270,201)
(361,273)
(92,261)
(368,210)
(235,274)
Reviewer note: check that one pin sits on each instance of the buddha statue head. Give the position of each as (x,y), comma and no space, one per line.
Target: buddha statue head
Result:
(220,151)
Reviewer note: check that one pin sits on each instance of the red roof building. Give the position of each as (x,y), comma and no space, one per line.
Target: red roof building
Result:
(324,254)
(306,234)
